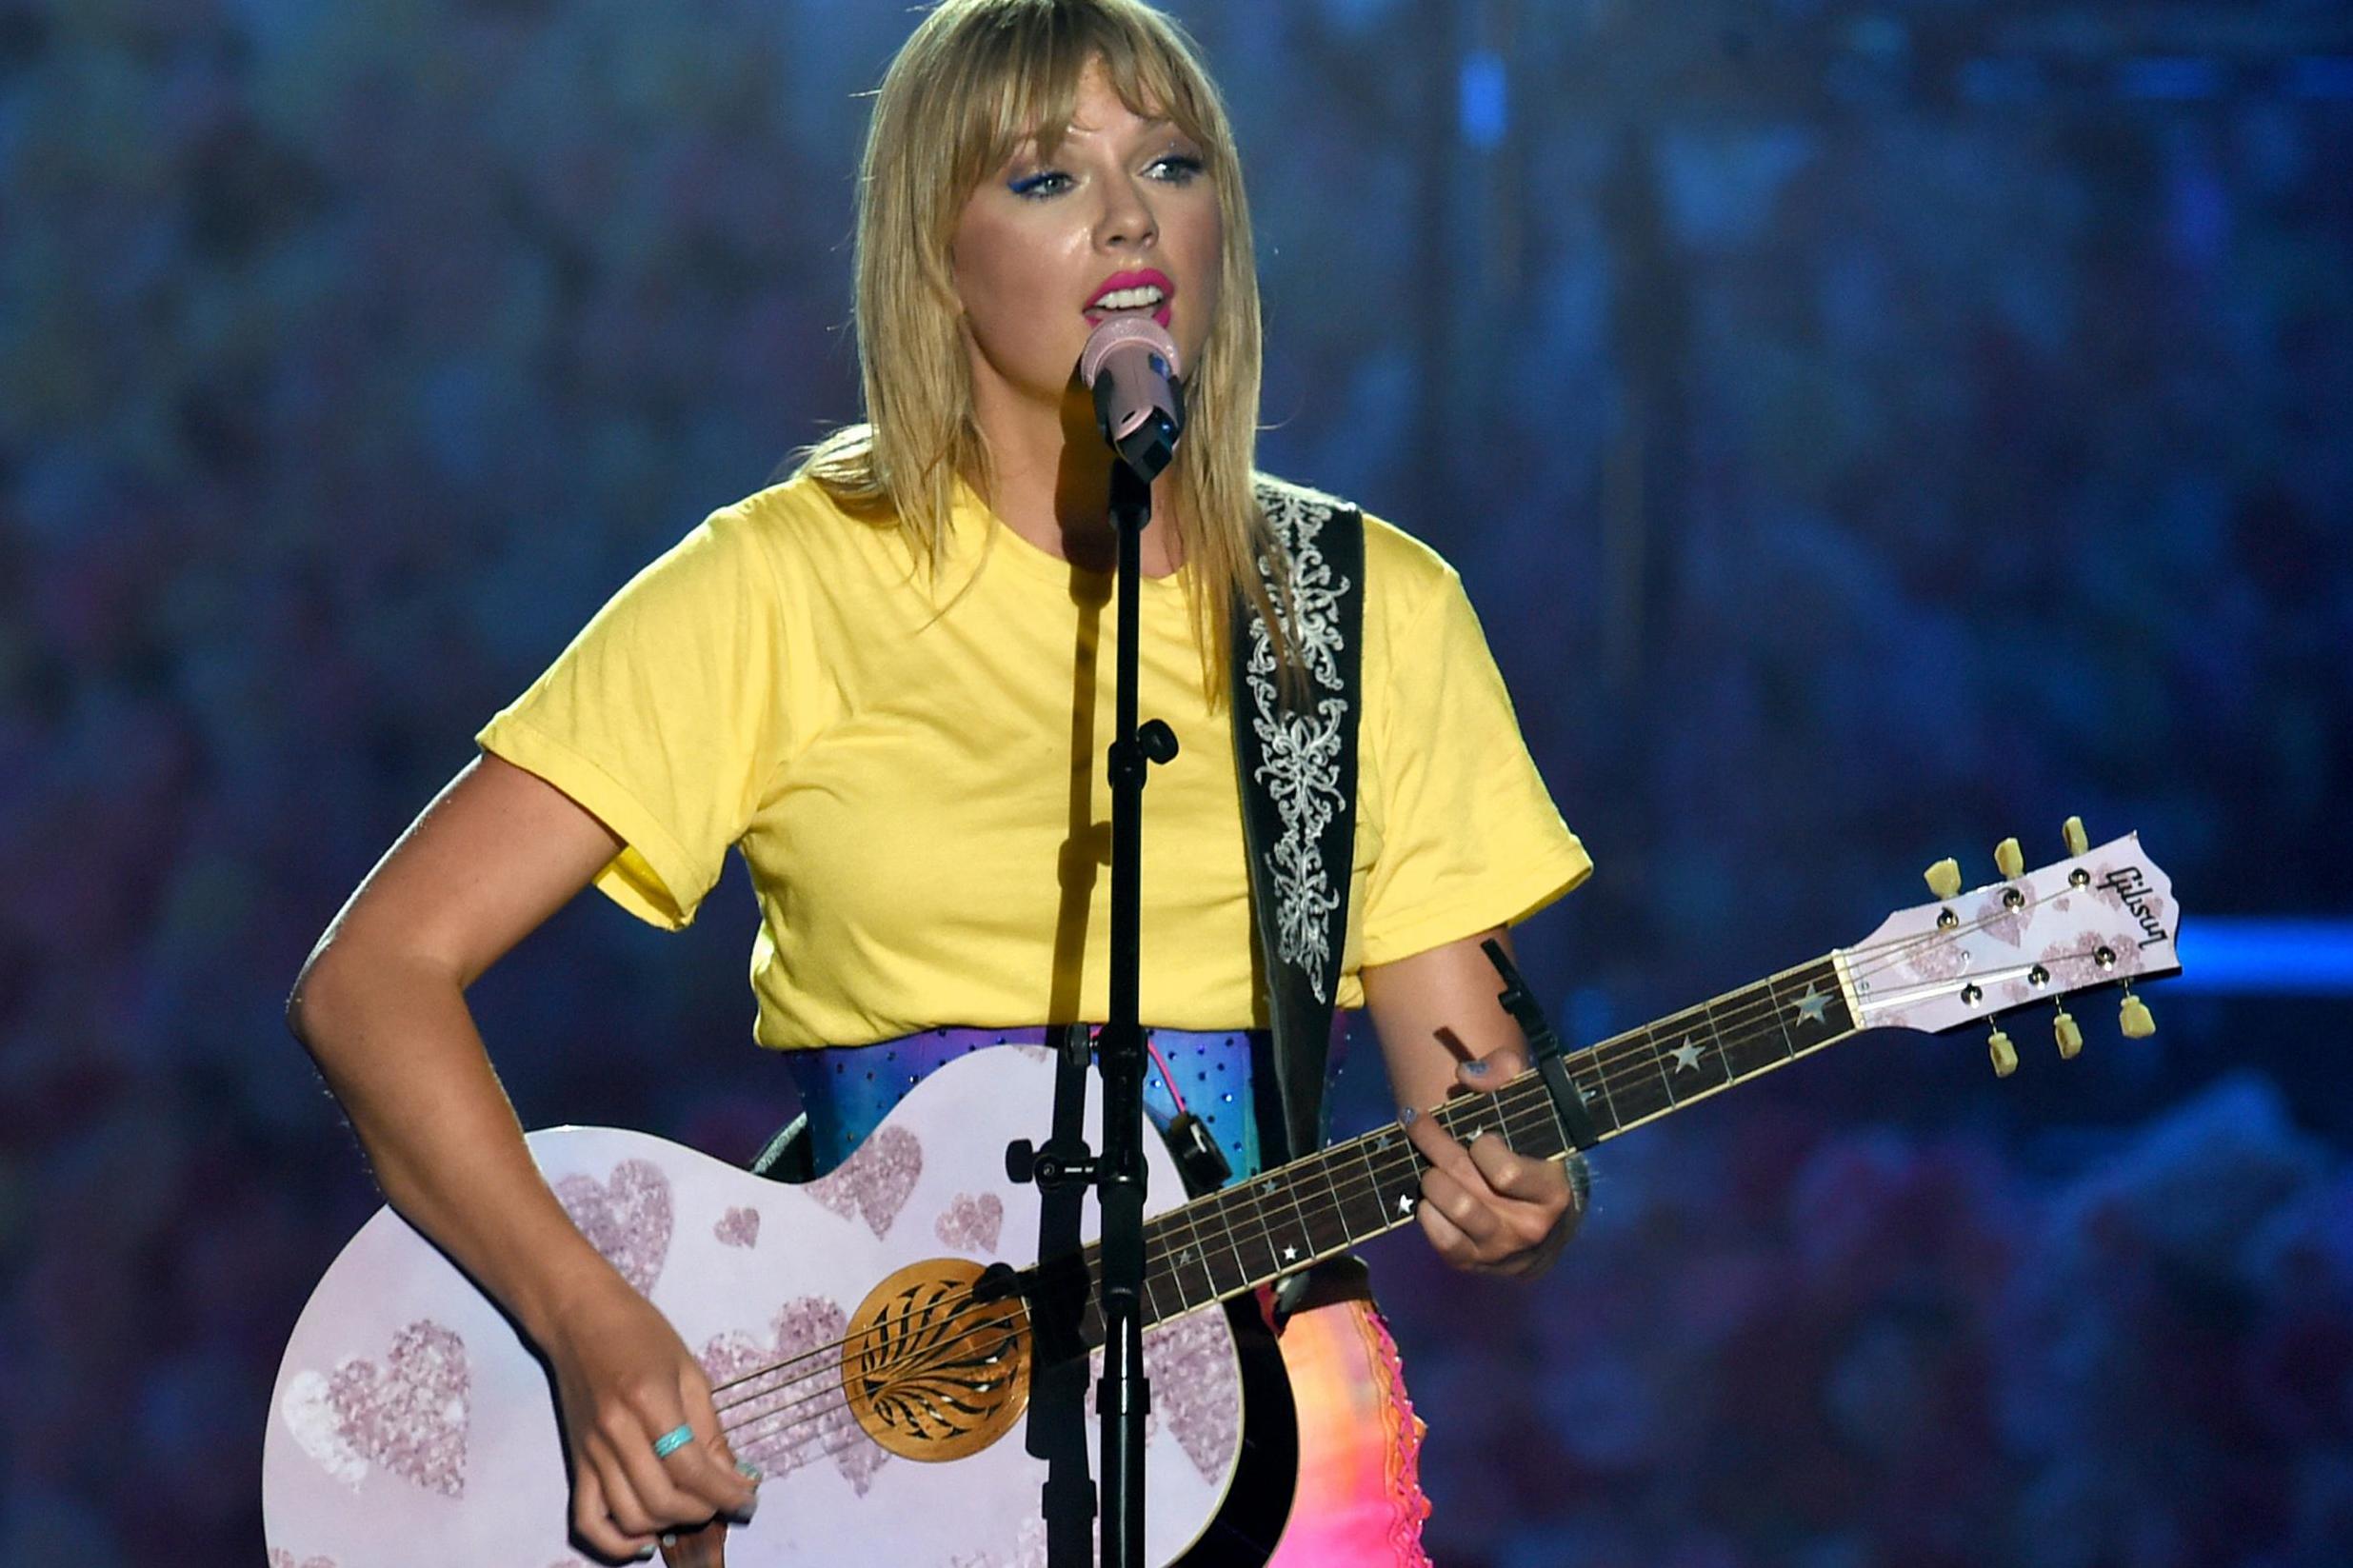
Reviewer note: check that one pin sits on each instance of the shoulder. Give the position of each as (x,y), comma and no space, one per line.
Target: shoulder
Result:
(800,534)
(797,511)
(1402,575)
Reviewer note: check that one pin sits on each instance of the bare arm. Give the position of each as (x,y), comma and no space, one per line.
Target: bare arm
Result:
(1442,1030)
(380,1007)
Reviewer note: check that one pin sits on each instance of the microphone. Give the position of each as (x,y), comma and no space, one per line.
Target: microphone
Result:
(1131,364)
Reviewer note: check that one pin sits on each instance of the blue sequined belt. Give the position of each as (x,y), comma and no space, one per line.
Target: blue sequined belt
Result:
(848,1090)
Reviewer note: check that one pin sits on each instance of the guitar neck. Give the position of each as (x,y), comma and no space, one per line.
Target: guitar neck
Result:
(1242,1236)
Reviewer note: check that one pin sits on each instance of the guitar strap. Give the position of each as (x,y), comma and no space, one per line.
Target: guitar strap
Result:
(1295,750)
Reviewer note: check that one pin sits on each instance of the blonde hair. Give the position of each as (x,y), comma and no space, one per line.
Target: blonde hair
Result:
(978,78)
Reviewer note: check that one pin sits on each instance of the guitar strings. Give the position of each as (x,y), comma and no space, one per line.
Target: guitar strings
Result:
(796,1416)
(1532,1112)
(1236,1201)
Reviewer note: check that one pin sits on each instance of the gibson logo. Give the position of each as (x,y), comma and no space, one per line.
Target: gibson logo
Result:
(2130,886)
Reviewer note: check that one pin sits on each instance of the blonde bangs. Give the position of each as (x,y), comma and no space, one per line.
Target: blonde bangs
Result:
(976,83)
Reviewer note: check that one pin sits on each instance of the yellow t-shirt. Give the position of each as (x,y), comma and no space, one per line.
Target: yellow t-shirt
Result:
(914,774)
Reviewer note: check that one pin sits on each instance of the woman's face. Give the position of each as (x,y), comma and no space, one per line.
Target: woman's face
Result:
(1122,216)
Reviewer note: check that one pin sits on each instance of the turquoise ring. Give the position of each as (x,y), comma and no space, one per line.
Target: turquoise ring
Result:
(672,1442)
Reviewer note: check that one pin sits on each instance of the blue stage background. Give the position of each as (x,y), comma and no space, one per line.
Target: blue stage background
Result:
(1866,430)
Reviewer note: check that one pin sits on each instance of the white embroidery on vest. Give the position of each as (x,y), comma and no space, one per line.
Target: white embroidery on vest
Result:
(1301,752)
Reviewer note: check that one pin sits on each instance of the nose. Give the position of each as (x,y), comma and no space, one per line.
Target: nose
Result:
(1126,222)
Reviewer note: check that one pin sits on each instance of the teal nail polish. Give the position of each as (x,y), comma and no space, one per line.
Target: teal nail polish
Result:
(1476,1069)
(1405,1118)
(749,1471)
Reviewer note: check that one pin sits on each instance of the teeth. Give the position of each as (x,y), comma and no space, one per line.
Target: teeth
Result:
(1127,299)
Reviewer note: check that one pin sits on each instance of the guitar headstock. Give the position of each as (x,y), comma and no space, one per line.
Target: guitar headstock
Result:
(2102,917)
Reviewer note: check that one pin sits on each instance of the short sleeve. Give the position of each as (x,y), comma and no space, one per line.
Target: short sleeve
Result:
(662,717)
(1469,837)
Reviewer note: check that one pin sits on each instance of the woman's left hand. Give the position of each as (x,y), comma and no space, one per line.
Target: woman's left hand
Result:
(1484,1208)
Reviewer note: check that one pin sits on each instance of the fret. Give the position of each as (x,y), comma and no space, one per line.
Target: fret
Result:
(1323,1209)
(1153,1311)
(1637,1080)
(1756,1040)
(1256,1240)
(1466,1118)
(1694,1063)
(1287,1223)
(1539,1121)
(1713,1012)
(1221,1252)
(1367,1217)
(1395,1165)
(1602,1104)
(1817,1015)
(1180,1261)
(1586,1075)
(1782,1009)
(1240,1238)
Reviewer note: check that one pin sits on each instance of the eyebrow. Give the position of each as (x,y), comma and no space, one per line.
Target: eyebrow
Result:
(1027,141)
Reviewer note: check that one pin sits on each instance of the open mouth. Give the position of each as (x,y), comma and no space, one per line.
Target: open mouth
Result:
(1131,293)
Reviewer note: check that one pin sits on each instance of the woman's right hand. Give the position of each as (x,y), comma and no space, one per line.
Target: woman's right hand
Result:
(623,1379)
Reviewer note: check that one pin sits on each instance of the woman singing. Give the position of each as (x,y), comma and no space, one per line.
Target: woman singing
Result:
(886,682)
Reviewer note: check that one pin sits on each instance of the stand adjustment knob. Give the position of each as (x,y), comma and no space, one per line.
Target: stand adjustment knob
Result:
(1158,741)
(1021,1162)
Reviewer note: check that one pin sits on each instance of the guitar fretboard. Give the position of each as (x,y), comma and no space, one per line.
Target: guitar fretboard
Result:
(1244,1236)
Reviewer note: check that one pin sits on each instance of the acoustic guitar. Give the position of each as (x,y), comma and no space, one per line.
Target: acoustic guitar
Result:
(864,1355)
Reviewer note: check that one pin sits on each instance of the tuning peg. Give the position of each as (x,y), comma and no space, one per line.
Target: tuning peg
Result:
(2070,1038)
(1945,877)
(2073,832)
(2134,1018)
(2005,1054)
(2009,858)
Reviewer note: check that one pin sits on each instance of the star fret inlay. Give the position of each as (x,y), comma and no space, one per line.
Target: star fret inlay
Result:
(1811,1006)
(1687,1056)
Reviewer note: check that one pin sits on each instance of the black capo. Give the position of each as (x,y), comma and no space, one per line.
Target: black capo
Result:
(1544,1048)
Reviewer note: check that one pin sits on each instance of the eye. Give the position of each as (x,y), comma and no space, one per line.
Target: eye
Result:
(1046,182)
(1178,167)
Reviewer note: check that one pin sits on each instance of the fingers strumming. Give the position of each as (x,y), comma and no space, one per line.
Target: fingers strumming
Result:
(732,1488)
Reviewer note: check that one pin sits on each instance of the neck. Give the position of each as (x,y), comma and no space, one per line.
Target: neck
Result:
(1052,481)
(1233,1241)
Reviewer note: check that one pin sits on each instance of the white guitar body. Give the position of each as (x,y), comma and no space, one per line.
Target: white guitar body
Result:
(412,1424)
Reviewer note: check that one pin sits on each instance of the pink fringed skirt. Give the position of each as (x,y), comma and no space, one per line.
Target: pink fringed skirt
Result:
(1360,1500)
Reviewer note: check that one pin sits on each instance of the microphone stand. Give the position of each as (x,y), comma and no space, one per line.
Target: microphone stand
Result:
(1125,1399)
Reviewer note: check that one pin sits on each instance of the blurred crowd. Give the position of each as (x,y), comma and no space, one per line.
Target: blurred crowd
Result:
(1866,434)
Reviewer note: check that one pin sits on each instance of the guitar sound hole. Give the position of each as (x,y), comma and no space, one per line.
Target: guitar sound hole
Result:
(931,1374)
